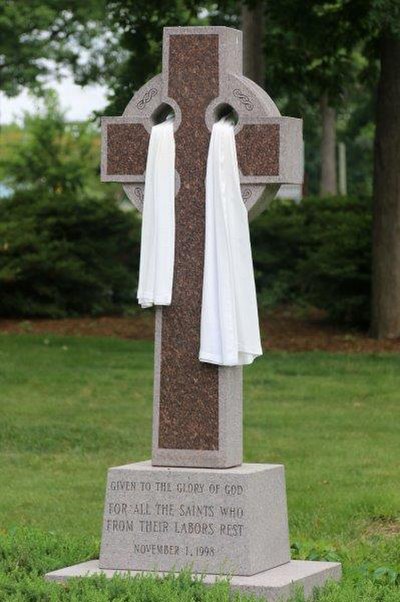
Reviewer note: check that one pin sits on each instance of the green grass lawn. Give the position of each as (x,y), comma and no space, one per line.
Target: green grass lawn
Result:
(71,407)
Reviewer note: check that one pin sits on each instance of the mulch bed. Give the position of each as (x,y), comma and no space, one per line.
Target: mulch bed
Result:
(287,331)
(283,329)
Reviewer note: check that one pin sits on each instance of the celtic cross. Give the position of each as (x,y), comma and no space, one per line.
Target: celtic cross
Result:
(198,406)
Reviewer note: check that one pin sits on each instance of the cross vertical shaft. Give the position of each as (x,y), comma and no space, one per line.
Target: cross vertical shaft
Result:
(188,410)
(191,426)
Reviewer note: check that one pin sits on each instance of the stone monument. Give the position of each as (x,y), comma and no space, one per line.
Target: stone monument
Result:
(195,504)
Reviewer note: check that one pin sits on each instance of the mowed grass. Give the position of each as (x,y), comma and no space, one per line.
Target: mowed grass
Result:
(72,407)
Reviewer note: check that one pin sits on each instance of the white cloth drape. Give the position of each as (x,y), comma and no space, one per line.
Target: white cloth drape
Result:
(230,333)
(158,221)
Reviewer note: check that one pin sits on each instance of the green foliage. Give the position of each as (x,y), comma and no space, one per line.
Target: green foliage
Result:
(302,65)
(277,241)
(298,551)
(65,255)
(65,249)
(380,17)
(51,155)
(27,554)
(336,271)
(30,32)
(356,129)
(133,54)
(382,574)
(316,252)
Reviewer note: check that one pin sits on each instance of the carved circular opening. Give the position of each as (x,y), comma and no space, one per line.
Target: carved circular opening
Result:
(161,113)
(226,110)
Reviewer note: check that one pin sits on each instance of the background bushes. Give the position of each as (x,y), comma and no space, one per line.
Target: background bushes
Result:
(317,252)
(66,256)
(69,255)
(68,247)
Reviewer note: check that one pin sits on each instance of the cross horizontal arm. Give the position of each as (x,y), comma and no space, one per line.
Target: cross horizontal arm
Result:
(271,151)
(124,150)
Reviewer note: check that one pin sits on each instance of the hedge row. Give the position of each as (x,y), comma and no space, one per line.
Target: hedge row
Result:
(317,252)
(63,256)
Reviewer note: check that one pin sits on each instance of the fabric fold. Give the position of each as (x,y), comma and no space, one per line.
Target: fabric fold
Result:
(230,333)
(158,219)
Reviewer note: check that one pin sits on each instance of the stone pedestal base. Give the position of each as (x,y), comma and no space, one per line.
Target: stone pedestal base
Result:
(273,585)
(219,521)
(214,521)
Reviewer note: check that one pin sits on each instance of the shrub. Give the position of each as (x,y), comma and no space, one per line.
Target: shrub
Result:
(62,256)
(65,248)
(51,155)
(337,269)
(278,247)
(316,252)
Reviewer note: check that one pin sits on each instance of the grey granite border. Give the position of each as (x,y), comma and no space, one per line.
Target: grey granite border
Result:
(275,585)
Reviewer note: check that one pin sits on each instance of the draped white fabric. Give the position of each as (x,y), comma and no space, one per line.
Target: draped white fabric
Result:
(230,333)
(158,220)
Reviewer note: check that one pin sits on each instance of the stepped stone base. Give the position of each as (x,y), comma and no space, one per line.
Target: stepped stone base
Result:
(216,522)
(275,585)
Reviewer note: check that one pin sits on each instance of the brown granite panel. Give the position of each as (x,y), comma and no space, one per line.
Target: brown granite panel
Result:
(127,145)
(258,149)
(189,389)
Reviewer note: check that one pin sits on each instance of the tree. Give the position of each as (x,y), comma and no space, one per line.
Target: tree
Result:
(318,43)
(133,52)
(65,247)
(328,180)
(253,27)
(311,57)
(52,156)
(385,27)
(356,129)
(40,35)
(312,51)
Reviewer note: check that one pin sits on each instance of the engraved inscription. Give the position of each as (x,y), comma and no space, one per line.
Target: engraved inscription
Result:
(185,519)
(213,521)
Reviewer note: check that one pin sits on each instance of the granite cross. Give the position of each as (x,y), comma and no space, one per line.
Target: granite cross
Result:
(198,407)
(180,511)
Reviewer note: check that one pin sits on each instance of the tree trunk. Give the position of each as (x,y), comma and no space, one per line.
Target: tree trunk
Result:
(386,222)
(328,180)
(253,27)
